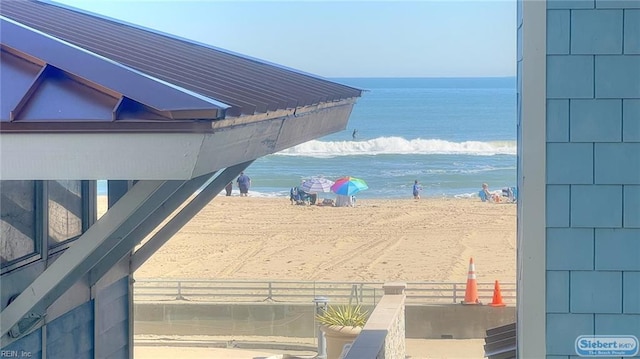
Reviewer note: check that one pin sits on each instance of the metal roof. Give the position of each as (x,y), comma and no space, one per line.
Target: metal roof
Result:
(45,81)
(248,85)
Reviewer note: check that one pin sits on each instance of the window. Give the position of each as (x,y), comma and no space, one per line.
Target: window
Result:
(65,211)
(18,220)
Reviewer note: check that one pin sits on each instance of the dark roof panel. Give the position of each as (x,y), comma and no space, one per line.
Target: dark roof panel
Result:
(45,80)
(248,85)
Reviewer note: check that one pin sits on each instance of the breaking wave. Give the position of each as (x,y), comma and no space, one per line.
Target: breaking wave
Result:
(400,146)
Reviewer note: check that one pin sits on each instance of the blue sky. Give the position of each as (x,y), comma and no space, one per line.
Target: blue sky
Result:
(342,38)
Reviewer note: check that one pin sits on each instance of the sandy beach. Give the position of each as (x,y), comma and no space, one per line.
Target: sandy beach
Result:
(378,240)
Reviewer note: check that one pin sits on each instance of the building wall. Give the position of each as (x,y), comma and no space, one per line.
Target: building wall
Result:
(71,335)
(592,171)
(89,320)
(29,346)
(112,320)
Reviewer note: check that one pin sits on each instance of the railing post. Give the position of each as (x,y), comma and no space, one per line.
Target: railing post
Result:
(179,297)
(455,293)
(270,297)
(321,306)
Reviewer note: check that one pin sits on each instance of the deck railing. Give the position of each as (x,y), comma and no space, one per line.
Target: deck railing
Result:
(304,291)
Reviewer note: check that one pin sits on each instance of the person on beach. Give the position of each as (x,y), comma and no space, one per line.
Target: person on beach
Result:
(416,189)
(244,182)
(487,196)
(354,134)
(228,188)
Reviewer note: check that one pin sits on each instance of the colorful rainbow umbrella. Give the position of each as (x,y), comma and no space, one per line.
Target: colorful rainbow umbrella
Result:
(348,186)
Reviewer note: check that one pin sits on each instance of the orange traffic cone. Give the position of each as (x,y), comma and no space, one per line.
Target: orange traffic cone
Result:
(471,292)
(497,296)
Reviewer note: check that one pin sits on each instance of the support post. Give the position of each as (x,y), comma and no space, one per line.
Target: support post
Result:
(321,306)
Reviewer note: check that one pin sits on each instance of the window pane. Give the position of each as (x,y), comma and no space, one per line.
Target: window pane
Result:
(103,197)
(65,210)
(17,227)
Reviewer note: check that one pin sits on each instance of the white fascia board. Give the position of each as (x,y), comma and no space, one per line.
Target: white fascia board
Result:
(531,323)
(64,156)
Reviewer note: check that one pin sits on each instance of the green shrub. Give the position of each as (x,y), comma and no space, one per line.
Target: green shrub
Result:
(343,315)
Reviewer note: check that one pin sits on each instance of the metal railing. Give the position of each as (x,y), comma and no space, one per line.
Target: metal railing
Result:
(304,292)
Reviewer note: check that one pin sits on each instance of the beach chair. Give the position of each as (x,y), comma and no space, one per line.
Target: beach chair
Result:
(296,196)
(300,197)
(510,193)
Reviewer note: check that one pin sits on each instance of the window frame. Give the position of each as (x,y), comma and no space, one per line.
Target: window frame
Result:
(39,217)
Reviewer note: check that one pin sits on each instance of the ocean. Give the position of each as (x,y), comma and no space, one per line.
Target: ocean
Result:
(450,134)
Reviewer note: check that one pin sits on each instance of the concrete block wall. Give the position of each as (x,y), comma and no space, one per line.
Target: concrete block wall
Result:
(592,171)
(383,336)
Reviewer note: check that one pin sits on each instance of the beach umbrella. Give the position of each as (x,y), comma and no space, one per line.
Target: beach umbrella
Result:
(316,184)
(348,186)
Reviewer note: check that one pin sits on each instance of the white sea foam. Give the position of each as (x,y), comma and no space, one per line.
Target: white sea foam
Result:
(400,146)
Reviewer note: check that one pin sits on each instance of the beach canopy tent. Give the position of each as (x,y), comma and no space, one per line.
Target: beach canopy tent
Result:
(166,121)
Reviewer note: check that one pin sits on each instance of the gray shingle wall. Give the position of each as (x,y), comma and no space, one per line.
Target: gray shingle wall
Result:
(593,171)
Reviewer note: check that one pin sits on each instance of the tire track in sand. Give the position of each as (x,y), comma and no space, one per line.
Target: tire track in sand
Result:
(240,261)
(377,247)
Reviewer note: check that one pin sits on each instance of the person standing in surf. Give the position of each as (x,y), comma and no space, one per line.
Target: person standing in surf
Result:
(416,189)
(244,182)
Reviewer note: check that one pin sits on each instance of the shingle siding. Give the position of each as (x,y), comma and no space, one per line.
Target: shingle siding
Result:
(596,292)
(632,32)
(593,171)
(631,295)
(596,206)
(558,121)
(612,324)
(631,120)
(617,249)
(596,120)
(570,248)
(617,163)
(569,76)
(563,329)
(616,76)
(558,23)
(617,4)
(569,163)
(631,199)
(571,4)
(558,283)
(557,212)
(596,31)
